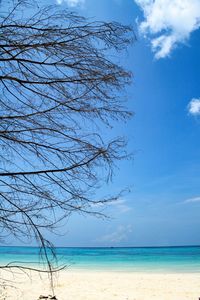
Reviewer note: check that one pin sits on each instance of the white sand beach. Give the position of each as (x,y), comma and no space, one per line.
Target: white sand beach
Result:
(108,285)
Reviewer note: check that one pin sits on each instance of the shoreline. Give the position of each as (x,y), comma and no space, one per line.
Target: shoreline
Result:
(136,271)
(101,268)
(110,269)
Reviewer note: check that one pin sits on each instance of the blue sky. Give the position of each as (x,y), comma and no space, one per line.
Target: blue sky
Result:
(164,203)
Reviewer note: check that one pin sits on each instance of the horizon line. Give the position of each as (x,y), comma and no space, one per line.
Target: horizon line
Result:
(104,247)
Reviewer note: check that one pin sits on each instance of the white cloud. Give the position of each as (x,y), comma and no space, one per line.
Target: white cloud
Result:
(194,107)
(192,200)
(72,3)
(119,206)
(168,23)
(119,235)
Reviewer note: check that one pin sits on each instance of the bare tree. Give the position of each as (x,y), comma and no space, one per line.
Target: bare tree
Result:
(59,85)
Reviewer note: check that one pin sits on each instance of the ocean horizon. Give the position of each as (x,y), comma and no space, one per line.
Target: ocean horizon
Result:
(131,259)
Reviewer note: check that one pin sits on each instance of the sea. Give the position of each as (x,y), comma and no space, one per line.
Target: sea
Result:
(131,259)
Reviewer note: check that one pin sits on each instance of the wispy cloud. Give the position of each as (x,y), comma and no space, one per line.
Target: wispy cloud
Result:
(120,234)
(119,206)
(168,23)
(72,3)
(194,106)
(192,200)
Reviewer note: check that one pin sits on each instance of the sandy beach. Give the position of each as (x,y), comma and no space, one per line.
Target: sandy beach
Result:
(108,285)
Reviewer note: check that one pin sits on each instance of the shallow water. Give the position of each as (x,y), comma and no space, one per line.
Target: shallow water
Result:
(158,259)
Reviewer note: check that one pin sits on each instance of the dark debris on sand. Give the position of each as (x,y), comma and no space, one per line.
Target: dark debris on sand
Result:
(47,297)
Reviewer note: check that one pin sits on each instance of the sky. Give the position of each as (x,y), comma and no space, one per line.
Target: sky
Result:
(163,205)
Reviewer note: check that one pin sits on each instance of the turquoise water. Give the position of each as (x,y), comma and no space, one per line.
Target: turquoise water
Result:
(158,259)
